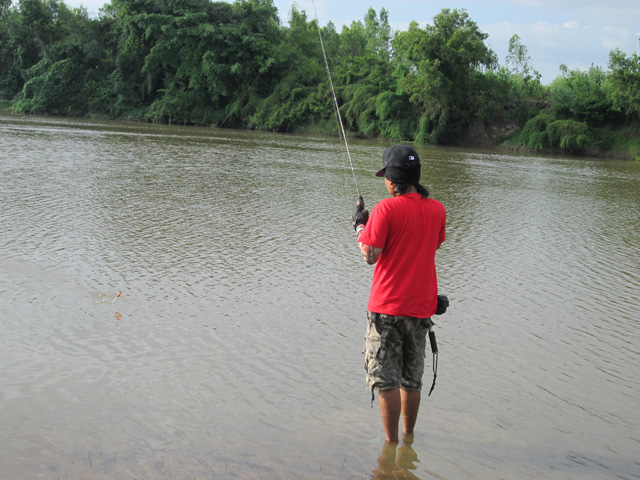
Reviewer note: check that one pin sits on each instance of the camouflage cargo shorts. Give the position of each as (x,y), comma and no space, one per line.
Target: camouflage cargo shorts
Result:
(395,348)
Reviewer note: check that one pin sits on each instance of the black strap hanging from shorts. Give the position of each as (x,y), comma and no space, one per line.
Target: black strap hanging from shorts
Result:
(434,350)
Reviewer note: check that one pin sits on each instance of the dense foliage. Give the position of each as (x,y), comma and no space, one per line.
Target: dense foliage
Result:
(234,64)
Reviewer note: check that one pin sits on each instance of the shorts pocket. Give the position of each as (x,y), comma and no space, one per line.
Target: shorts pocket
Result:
(373,349)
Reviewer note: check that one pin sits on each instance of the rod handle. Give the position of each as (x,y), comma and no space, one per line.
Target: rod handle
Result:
(432,340)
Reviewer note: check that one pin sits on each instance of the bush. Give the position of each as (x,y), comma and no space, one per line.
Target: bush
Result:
(569,135)
(534,135)
(545,132)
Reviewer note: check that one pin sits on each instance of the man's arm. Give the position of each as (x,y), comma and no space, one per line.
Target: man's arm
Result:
(370,254)
(359,220)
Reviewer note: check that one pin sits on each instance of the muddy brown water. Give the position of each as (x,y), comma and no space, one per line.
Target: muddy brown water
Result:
(235,348)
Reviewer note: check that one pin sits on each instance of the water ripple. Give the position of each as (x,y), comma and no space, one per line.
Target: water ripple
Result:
(235,347)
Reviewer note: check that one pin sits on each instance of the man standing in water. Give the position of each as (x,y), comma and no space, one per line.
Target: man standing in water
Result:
(401,237)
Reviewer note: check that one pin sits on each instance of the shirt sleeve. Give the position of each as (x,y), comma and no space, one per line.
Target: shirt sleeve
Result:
(375,232)
(443,229)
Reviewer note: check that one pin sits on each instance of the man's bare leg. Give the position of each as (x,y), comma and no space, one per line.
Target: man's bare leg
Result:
(410,404)
(390,408)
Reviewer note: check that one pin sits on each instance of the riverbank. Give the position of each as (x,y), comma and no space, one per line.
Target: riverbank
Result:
(545,134)
(614,142)
(619,144)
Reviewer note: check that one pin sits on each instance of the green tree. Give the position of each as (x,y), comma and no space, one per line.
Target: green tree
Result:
(369,78)
(57,83)
(186,60)
(301,96)
(25,31)
(364,73)
(624,75)
(518,58)
(353,41)
(378,33)
(253,39)
(10,46)
(525,93)
(69,65)
(583,96)
(438,66)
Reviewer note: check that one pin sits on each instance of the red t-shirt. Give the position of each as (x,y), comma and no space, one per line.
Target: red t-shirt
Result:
(409,229)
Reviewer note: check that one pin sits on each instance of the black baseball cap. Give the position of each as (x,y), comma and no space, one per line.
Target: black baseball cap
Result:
(401,164)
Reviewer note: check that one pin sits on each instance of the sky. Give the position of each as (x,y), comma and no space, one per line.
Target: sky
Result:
(576,33)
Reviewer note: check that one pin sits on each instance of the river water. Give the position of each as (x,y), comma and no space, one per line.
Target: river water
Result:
(235,348)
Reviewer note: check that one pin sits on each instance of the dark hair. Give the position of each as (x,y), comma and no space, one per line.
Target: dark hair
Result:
(402,188)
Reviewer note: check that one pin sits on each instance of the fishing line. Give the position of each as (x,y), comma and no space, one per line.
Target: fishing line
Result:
(335,102)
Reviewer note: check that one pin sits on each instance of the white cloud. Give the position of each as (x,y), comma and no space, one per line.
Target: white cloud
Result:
(573,44)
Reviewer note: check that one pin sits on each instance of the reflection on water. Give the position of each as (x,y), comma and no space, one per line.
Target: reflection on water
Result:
(398,462)
(234,350)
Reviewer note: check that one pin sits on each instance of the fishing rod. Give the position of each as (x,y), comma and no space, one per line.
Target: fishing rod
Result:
(335,102)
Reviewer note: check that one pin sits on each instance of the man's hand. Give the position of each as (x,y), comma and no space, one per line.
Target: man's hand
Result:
(361,216)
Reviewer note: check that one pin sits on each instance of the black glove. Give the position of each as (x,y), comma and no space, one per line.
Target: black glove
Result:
(361,216)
